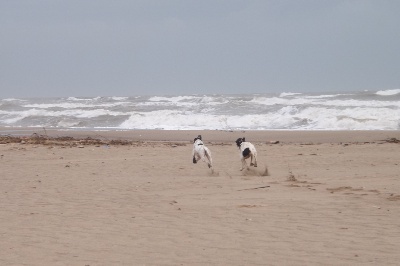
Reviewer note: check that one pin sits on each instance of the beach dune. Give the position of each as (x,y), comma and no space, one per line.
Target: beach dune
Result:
(316,198)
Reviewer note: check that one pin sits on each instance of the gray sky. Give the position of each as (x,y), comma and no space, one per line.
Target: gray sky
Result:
(138,47)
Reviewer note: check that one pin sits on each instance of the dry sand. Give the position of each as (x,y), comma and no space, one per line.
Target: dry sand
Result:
(331,198)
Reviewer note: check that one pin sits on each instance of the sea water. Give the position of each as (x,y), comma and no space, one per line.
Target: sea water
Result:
(363,110)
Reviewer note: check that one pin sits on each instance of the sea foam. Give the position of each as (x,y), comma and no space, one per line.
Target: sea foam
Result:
(365,110)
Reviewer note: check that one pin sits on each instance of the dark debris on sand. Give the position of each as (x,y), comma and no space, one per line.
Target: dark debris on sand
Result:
(392,140)
(63,141)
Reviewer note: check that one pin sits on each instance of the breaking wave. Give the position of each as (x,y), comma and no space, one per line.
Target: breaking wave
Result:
(365,110)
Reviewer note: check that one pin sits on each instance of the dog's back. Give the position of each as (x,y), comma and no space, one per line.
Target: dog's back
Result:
(246,147)
(198,144)
(246,152)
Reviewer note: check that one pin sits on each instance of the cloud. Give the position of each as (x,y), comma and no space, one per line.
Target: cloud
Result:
(89,48)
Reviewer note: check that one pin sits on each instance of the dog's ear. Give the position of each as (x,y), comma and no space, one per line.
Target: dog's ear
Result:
(238,142)
(199,137)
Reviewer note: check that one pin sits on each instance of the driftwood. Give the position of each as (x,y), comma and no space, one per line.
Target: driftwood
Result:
(253,188)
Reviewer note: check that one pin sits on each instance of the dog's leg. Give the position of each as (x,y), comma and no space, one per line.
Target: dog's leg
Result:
(244,164)
(193,155)
(208,155)
(203,158)
(196,157)
(255,160)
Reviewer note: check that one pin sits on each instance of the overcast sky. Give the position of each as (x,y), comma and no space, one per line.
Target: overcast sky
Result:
(144,47)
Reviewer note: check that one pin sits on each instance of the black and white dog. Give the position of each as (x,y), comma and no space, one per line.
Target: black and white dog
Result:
(247,150)
(200,151)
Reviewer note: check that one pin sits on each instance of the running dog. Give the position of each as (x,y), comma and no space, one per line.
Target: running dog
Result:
(200,151)
(247,150)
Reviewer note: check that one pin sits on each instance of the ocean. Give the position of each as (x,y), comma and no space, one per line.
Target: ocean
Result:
(365,110)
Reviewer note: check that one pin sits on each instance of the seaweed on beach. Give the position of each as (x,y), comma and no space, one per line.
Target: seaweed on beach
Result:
(39,139)
(9,139)
(392,140)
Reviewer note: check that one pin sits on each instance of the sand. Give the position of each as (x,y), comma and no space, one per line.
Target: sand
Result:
(331,198)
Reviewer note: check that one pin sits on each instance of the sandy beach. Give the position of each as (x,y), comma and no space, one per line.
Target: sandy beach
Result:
(330,198)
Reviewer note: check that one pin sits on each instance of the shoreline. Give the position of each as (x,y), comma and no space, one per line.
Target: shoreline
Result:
(283,136)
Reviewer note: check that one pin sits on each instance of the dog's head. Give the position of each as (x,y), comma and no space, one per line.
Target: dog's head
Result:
(239,141)
(197,138)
